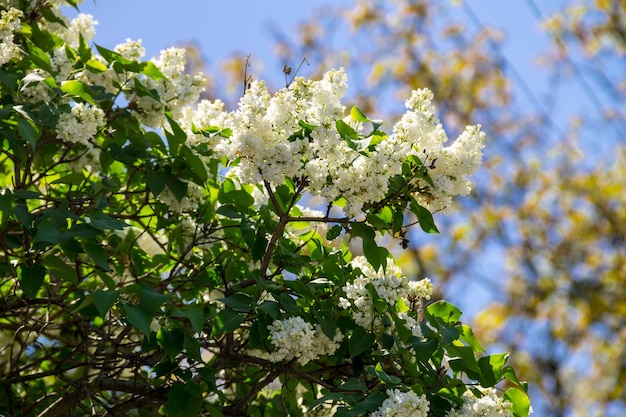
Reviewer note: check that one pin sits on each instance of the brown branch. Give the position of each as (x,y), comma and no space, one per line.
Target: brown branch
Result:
(70,400)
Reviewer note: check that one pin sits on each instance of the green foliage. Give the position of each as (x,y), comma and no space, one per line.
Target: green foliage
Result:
(138,272)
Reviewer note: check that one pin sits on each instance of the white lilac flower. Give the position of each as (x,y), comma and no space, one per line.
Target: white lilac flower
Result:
(391,286)
(178,91)
(9,23)
(449,165)
(80,125)
(489,405)
(265,143)
(131,50)
(82,25)
(206,113)
(294,338)
(403,404)
(60,64)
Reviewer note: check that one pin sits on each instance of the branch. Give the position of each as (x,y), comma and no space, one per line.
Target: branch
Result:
(69,400)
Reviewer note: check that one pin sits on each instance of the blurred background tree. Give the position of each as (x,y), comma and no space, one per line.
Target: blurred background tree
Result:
(542,257)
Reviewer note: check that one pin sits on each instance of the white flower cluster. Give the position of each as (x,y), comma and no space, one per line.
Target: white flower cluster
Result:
(131,50)
(9,23)
(390,286)
(81,124)
(82,25)
(79,127)
(267,141)
(403,404)
(178,91)
(489,405)
(294,338)
(263,139)
(420,133)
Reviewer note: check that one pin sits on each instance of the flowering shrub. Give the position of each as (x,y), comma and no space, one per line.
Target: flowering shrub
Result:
(158,257)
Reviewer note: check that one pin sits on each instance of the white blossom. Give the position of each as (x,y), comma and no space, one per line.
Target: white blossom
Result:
(82,25)
(81,124)
(177,91)
(489,405)
(294,338)
(449,166)
(390,286)
(9,23)
(293,134)
(131,50)
(403,404)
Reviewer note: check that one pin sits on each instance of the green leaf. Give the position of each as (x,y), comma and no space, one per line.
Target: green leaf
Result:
(195,163)
(177,187)
(520,401)
(95,66)
(333,232)
(509,373)
(152,71)
(105,222)
(227,321)
(26,194)
(156,179)
(238,198)
(48,232)
(152,300)
(182,403)
(375,255)
(288,303)
(57,267)
(444,312)
(138,316)
(466,354)
(491,367)
(353,384)
(467,335)
(31,278)
(260,244)
(271,308)
(77,89)
(424,349)
(104,300)
(171,341)
(348,134)
(84,51)
(397,222)
(39,57)
(28,131)
(370,403)
(383,376)
(98,254)
(357,115)
(73,178)
(360,341)
(425,217)
(176,137)
(194,314)
(239,301)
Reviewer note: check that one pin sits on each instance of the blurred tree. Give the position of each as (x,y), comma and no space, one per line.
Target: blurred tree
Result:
(549,239)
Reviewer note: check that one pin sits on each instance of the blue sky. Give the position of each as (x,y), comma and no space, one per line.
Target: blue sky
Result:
(222,29)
